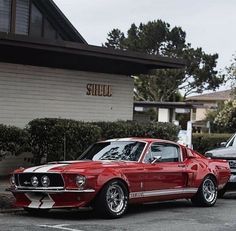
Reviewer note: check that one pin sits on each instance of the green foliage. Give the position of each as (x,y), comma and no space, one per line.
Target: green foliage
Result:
(133,129)
(51,137)
(231,75)
(13,140)
(47,135)
(115,37)
(158,38)
(210,116)
(204,142)
(231,72)
(226,118)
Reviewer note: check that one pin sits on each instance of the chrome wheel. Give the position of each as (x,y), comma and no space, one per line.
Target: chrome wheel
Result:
(209,190)
(207,193)
(115,198)
(112,201)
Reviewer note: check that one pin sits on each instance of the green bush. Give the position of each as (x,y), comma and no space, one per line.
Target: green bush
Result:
(204,142)
(52,138)
(133,129)
(13,140)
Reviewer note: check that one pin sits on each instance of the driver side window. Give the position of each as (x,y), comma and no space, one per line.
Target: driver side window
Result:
(164,152)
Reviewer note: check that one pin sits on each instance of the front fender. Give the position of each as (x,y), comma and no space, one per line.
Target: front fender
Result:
(111,174)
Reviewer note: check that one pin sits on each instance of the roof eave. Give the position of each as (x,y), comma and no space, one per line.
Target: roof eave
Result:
(105,59)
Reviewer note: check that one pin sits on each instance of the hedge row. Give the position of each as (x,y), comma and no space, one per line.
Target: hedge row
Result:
(51,139)
(13,140)
(204,142)
(133,129)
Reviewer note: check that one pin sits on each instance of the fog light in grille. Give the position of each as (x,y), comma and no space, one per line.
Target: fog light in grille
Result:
(80,181)
(34,181)
(45,181)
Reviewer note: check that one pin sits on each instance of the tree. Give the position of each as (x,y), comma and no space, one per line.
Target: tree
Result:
(158,38)
(232,69)
(231,73)
(226,118)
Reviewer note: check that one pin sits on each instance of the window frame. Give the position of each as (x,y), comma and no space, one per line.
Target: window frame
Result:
(9,20)
(12,21)
(30,21)
(14,14)
(165,143)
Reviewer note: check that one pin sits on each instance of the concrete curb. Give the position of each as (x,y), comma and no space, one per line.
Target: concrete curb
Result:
(13,211)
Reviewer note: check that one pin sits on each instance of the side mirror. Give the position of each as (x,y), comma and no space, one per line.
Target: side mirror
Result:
(223,144)
(190,154)
(156,159)
(208,155)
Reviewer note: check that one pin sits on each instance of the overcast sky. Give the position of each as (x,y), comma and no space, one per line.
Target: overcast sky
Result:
(210,24)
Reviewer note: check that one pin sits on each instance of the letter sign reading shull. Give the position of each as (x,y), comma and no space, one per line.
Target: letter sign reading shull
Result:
(99,90)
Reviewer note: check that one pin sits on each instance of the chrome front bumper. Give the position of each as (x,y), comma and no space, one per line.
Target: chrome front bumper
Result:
(45,190)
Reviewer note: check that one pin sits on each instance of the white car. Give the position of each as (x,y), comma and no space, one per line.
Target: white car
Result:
(227,151)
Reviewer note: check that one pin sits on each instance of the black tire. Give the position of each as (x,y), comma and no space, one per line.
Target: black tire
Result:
(112,201)
(221,192)
(207,193)
(38,212)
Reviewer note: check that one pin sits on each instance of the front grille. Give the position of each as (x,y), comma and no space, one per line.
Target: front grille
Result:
(24,179)
(232,163)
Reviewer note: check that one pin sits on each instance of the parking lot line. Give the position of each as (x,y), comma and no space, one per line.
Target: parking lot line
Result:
(60,227)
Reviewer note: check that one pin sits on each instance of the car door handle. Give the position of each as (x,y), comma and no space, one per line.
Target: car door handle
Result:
(181,165)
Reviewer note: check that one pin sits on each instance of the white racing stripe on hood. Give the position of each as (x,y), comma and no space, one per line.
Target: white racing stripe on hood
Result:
(32,169)
(44,168)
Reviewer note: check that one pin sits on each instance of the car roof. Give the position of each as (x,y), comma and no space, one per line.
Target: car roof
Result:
(148,140)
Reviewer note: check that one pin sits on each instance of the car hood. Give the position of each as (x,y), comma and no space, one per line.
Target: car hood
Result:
(224,152)
(81,166)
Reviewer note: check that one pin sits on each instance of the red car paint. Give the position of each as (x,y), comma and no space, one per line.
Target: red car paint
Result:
(146,182)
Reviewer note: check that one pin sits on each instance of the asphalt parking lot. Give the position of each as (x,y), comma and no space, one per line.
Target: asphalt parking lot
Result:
(174,215)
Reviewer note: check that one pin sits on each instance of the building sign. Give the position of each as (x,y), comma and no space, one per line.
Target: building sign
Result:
(99,90)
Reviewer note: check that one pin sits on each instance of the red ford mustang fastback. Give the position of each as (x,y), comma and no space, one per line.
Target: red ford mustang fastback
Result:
(114,173)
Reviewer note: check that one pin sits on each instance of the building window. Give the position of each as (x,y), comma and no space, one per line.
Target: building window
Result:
(194,114)
(36,22)
(49,32)
(5,15)
(22,17)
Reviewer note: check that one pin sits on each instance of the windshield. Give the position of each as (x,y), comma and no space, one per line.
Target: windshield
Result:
(115,150)
(231,141)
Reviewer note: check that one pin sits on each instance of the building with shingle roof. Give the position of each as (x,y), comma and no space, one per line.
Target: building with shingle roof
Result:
(209,102)
(214,96)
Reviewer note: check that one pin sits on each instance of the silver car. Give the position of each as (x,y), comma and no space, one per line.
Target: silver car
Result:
(227,151)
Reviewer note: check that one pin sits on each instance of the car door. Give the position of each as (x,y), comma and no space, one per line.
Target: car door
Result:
(164,169)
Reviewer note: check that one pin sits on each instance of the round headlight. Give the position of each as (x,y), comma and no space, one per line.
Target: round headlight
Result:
(45,181)
(12,180)
(34,181)
(80,181)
